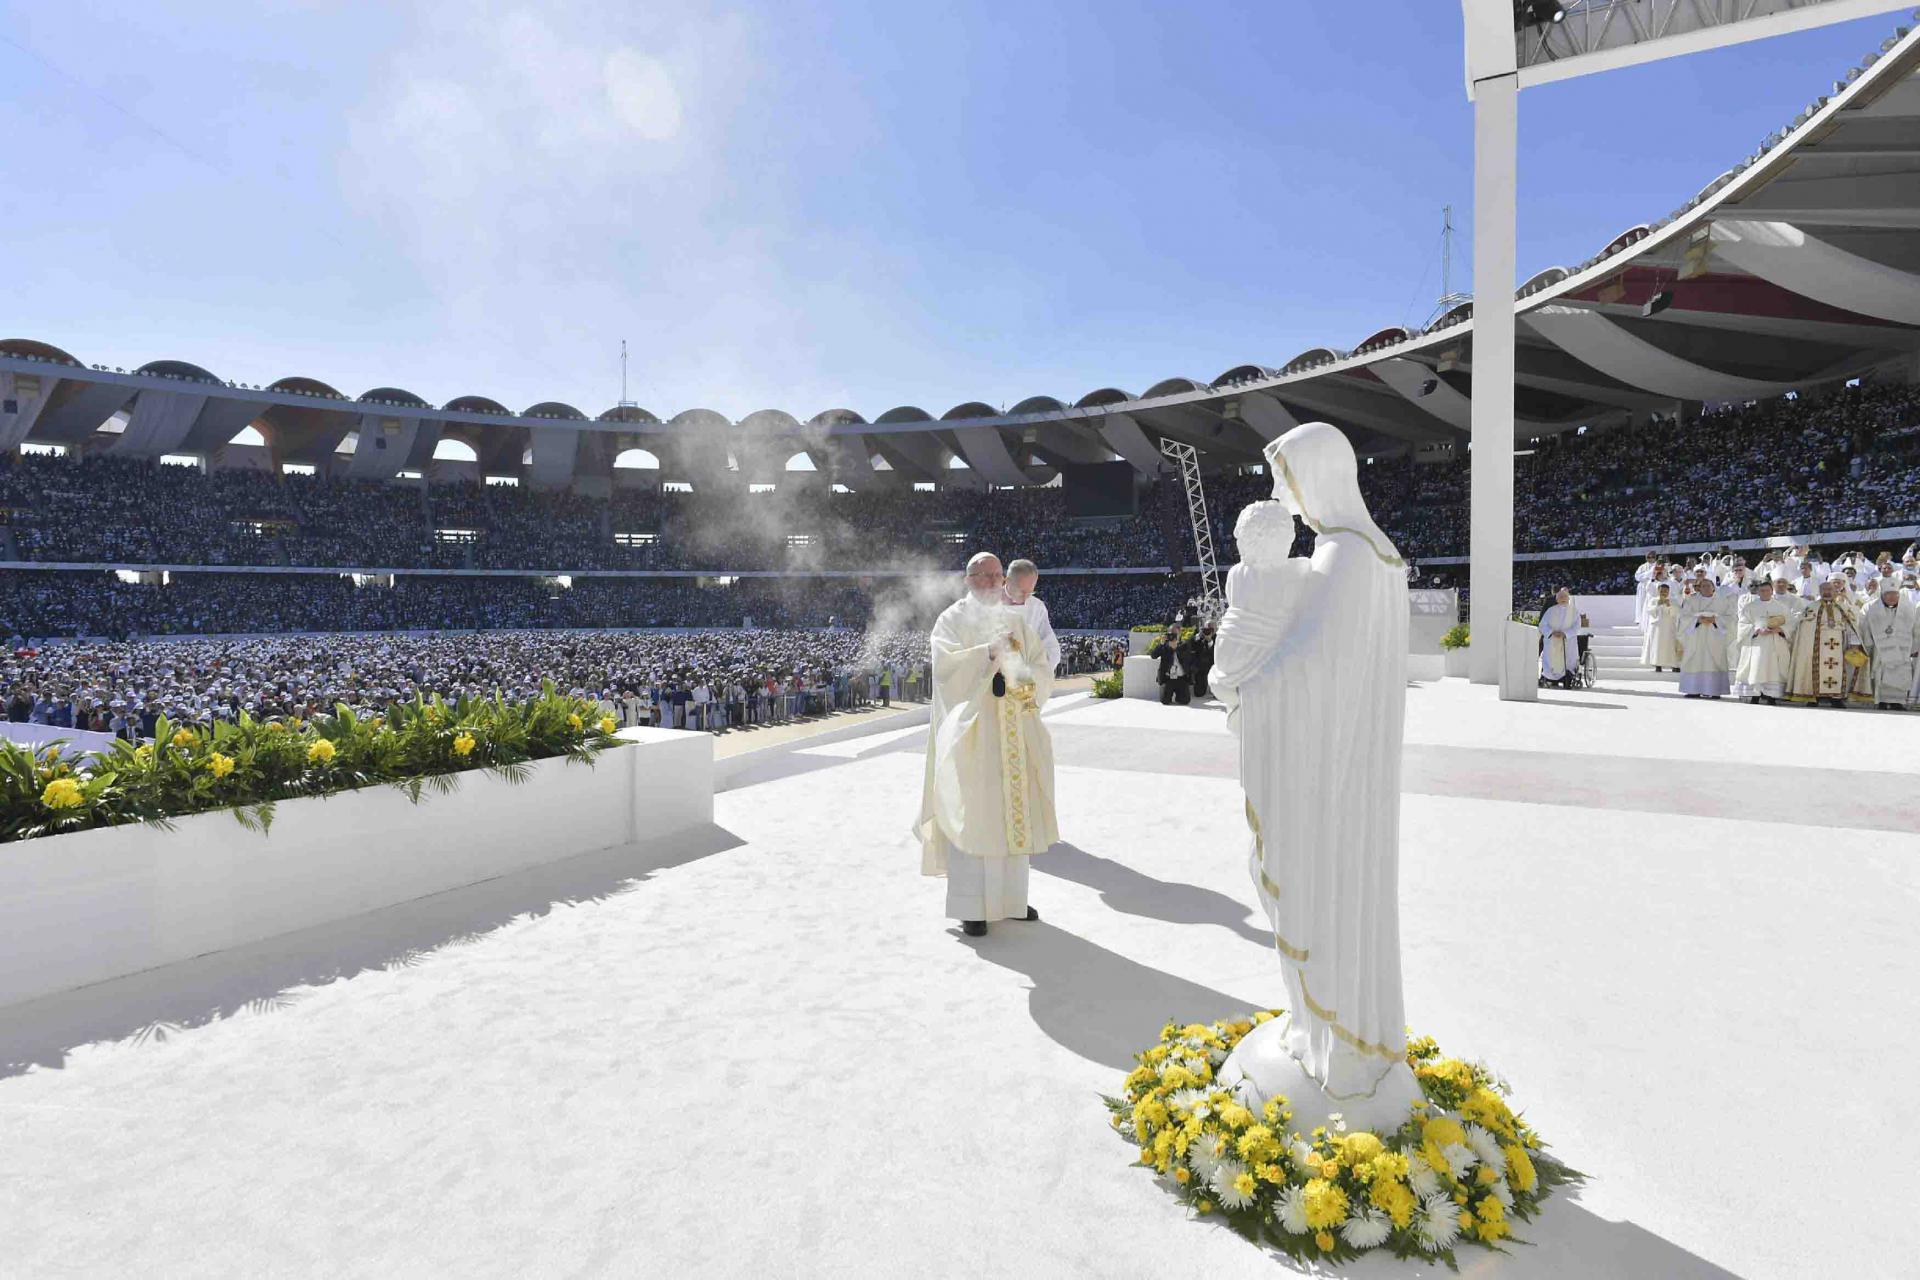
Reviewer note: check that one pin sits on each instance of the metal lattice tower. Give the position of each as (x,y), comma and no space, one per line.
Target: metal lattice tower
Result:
(1212,603)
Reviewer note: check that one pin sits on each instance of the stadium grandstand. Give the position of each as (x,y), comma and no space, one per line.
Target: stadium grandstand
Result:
(1661,383)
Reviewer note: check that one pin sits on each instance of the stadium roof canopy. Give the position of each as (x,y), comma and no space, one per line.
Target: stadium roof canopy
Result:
(1798,267)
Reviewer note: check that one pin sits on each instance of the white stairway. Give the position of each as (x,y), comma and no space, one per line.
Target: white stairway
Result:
(1616,656)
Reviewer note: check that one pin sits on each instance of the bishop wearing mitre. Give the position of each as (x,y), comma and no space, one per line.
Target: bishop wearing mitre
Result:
(1890,631)
(986,804)
(1820,671)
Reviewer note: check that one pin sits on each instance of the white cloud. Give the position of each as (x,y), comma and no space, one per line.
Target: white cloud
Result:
(642,94)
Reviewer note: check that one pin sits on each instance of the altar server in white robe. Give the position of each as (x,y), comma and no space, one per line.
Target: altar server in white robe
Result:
(1311,663)
(1766,652)
(1559,638)
(1890,630)
(1807,579)
(986,801)
(1022,577)
(1661,647)
(1706,622)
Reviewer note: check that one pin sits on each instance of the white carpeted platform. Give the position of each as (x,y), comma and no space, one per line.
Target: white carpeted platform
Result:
(1684,931)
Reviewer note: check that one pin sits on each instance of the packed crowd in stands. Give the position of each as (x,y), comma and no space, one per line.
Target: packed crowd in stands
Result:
(1778,467)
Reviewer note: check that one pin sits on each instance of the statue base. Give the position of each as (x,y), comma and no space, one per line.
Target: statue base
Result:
(1261,1067)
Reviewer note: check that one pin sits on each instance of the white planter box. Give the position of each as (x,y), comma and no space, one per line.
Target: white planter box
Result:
(1459,662)
(82,908)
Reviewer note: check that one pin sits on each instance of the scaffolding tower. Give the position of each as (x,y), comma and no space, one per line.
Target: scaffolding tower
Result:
(1212,603)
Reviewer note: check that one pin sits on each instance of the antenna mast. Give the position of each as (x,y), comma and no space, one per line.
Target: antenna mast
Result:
(1446,254)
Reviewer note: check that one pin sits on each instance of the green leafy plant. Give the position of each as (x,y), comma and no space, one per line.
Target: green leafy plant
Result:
(248,766)
(1458,636)
(1108,686)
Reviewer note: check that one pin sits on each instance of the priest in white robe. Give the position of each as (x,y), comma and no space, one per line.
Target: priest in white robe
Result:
(1890,632)
(987,797)
(1706,623)
(1766,652)
(1022,577)
(1311,664)
(1559,639)
(1648,572)
(1660,649)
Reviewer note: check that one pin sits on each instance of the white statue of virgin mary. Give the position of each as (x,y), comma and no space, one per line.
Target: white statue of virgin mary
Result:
(1311,662)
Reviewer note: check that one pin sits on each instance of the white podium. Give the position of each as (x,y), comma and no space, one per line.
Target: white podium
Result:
(1520,663)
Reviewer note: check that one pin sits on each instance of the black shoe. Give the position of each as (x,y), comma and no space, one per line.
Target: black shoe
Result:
(1033,913)
(974,928)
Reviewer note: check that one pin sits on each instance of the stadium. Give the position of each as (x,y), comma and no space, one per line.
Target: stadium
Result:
(374,1029)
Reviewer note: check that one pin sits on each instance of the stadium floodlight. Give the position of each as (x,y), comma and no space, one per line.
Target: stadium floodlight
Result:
(1537,13)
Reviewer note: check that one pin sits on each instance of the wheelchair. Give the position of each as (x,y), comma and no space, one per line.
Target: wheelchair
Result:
(1583,674)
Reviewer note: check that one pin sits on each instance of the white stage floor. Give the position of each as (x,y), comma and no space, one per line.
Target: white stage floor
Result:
(1684,931)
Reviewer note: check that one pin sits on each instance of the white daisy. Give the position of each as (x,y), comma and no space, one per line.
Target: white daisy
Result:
(1459,1159)
(1503,1193)
(1366,1228)
(1438,1224)
(1298,1153)
(1225,1174)
(1487,1147)
(1203,1156)
(1191,1099)
(1291,1211)
(1421,1177)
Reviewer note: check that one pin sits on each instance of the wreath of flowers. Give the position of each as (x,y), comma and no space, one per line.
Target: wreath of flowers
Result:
(1462,1168)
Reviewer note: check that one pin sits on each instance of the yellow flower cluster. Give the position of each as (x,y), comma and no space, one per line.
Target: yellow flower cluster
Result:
(575,723)
(608,724)
(218,765)
(1461,1154)
(183,737)
(320,751)
(63,793)
(463,745)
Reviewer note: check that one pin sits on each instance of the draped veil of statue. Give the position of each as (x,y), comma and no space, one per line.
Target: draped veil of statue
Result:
(1311,662)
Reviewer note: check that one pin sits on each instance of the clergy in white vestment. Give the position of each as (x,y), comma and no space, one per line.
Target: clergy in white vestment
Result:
(986,801)
(1645,575)
(1022,577)
(1890,631)
(1821,672)
(1559,638)
(1311,663)
(1766,652)
(1706,623)
(1661,647)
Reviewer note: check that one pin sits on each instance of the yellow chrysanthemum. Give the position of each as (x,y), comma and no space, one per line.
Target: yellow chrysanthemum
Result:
(1245,1185)
(1271,1173)
(1183,1175)
(1258,1144)
(275,726)
(182,737)
(1325,1240)
(575,723)
(1205,1206)
(1326,1204)
(608,724)
(63,793)
(1390,1165)
(1439,1131)
(320,751)
(1395,1199)
(1484,1106)
(1487,1176)
(143,752)
(1235,1116)
(463,744)
(1493,1220)
(1275,1110)
(1357,1149)
(218,765)
(1520,1171)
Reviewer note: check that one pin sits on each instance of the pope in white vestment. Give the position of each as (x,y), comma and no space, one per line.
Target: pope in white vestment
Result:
(1559,638)
(1310,662)
(1820,669)
(1766,648)
(987,798)
(1706,623)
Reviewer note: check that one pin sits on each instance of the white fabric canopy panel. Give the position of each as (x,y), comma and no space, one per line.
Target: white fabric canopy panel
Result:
(1592,339)
(1789,257)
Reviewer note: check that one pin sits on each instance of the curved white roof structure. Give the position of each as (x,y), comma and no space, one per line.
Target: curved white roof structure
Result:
(1798,267)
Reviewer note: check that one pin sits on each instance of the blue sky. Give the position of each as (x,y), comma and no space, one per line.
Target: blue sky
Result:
(796,206)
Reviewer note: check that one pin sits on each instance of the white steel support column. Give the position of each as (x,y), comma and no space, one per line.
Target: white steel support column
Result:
(1495,143)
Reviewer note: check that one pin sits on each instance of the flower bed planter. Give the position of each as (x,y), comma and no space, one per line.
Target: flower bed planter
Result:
(87,906)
